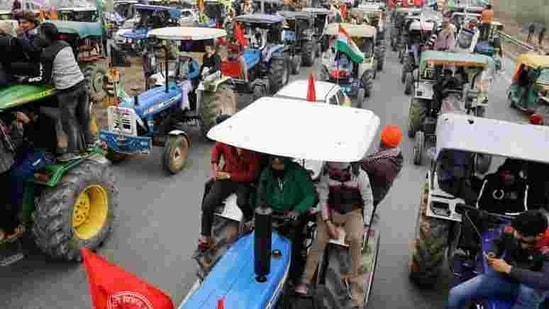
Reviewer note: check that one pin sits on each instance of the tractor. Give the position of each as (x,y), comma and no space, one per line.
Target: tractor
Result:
(65,205)
(157,117)
(373,15)
(263,66)
(298,33)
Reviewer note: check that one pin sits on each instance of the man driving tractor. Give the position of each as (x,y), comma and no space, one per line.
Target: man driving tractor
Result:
(211,63)
(286,187)
(519,261)
(346,199)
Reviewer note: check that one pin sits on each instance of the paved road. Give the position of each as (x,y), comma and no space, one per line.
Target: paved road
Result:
(158,224)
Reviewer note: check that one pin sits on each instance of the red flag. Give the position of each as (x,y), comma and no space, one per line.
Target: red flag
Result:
(239,35)
(112,287)
(221,304)
(311,92)
(343,11)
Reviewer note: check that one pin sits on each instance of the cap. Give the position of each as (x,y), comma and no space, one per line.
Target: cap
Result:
(391,136)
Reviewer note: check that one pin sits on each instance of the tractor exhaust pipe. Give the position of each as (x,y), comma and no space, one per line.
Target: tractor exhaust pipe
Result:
(262,243)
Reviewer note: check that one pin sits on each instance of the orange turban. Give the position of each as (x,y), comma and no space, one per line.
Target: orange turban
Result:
(391,136)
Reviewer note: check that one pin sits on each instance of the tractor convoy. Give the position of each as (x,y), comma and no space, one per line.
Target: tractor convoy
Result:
(200,61)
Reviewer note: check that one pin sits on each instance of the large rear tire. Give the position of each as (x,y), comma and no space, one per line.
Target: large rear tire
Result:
(308,53)
(380,56)
(367,82)
(419,145)
(429,246)
(78,212)
(279,73)
(408,84)
(416,114)
(220,102)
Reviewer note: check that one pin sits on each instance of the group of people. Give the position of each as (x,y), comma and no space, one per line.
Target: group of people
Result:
(35,55)
(348,194)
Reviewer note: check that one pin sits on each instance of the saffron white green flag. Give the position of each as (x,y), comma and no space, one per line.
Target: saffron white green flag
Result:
(346,45)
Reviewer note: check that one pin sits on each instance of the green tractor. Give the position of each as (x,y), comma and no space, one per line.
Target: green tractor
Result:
(88,42)
(65,206)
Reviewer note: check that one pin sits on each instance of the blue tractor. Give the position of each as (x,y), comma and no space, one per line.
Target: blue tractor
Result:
(133,34)
(159,115)
(263,67)
(251,270)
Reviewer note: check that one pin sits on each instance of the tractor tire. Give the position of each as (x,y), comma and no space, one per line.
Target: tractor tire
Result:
(115,157)
(407,67)
(175,154)
(380,56)
(94,74)
(416,114)
(419,145)
(220,102)
(258,91)
(360,96)
(296,65)
(279,73)
(367,81)
(308,53)
(318,49)
(77,213)
(408,84)
(429,247)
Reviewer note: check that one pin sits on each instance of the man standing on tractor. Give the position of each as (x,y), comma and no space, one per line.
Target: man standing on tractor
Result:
(446,39)
(486,18)
(286,187)
(58,66)
(519,261)
(239,171)
(346,199)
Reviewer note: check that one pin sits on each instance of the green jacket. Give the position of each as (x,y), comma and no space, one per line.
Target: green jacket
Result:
(296,191)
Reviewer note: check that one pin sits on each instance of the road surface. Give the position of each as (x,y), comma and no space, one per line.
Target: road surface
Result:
(158,222)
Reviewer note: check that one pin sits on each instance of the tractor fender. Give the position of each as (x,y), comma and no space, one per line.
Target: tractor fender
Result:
(273,51)
(177,132)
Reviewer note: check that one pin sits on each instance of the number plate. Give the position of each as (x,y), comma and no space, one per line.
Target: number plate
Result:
(122,120)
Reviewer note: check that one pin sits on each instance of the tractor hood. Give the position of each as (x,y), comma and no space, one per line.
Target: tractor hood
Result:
(154,100)
(17,95)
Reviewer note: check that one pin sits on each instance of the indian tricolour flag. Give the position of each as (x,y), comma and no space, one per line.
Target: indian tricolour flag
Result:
(346,45)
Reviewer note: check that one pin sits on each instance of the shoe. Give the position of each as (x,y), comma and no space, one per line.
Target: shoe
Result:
(204,244)
(68,157)
(302,289)
(92,145)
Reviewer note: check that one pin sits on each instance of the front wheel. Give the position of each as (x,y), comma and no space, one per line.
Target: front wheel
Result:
(175,154)
(78,212)
(360,97)
(408,84)
(367,82)
(296,64)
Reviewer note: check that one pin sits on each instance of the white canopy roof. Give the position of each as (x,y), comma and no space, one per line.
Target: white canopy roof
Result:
(494,137)
(187,33)
(298,129)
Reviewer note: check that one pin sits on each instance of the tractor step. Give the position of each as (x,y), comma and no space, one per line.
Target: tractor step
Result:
(10,252)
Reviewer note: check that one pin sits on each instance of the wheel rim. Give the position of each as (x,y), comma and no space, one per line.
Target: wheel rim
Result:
(90,212)
(178,156)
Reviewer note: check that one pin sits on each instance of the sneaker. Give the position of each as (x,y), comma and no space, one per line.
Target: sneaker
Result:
(94,144)
(68,157)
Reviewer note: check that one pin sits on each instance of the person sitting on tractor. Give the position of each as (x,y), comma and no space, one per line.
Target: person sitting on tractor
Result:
(504,191)
(211,63)
(58,66)
(519,262)
(286,187)
(239,172)
(383,166)
(346,199)
(448,81)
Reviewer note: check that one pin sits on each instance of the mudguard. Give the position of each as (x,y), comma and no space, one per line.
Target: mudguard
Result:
(177,132)
(271,51)
(233,279)
(155,100)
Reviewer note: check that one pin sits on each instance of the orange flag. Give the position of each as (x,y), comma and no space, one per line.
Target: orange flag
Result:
(112,287)
(311,92)
(239,35)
